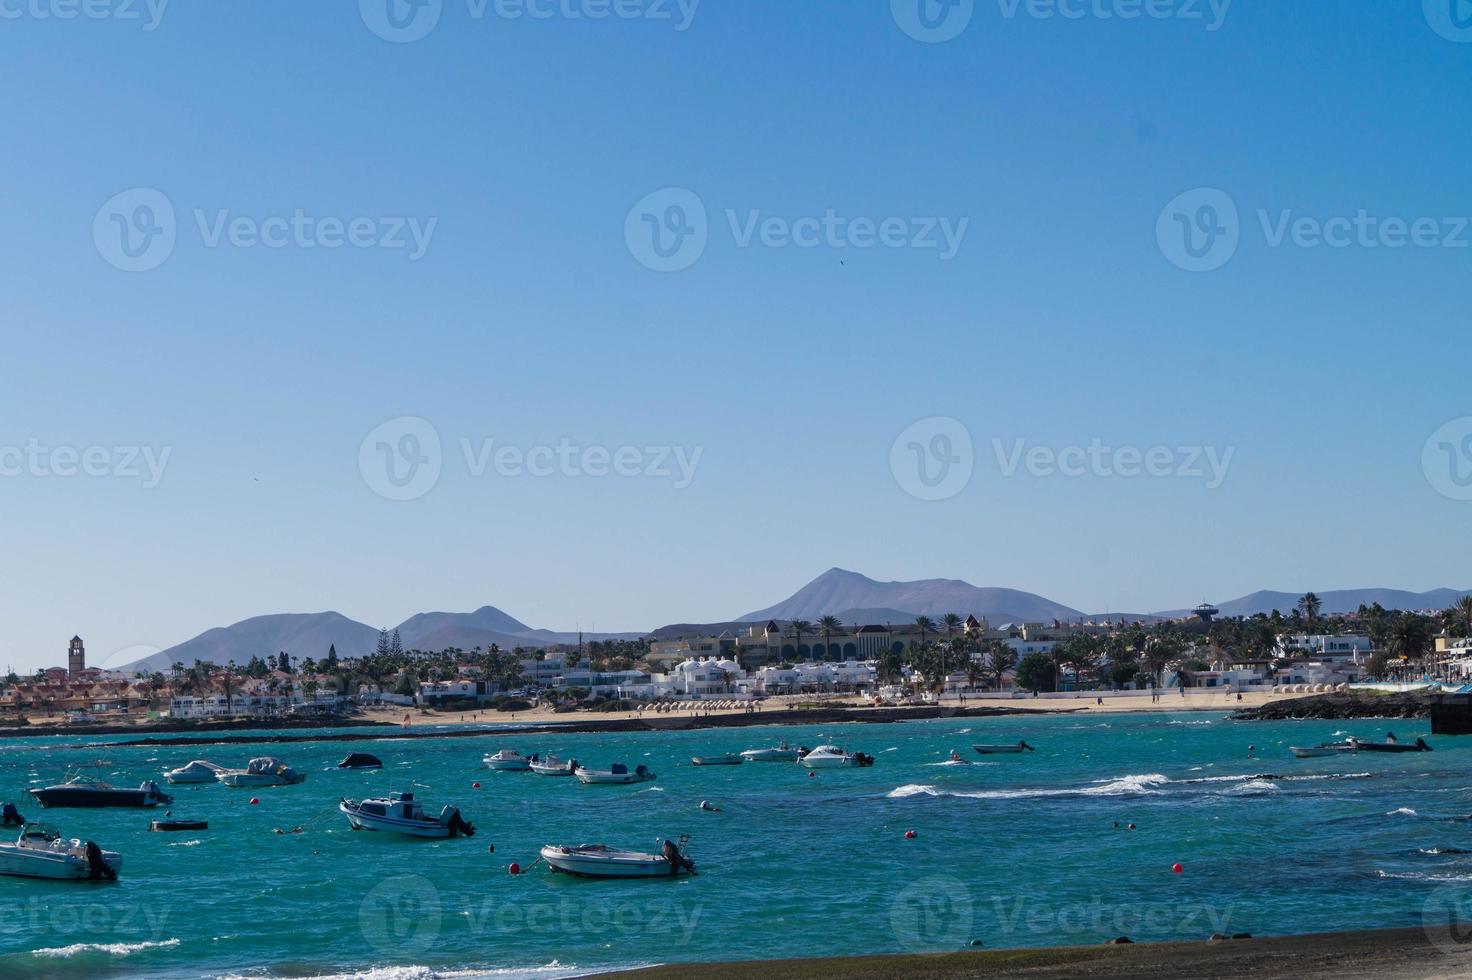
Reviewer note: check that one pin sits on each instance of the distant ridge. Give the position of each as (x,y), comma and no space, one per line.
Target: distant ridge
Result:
(839,591)
(1333,602)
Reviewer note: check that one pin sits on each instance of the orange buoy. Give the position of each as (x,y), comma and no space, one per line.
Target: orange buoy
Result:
(1177,868)
(515,868)
(909,835)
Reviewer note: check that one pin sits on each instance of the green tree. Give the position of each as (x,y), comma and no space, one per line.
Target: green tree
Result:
(829,625)
(1309,605)
(800,627)
(1000,659)
(1036,673)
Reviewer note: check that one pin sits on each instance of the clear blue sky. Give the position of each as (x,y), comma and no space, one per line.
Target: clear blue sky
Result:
(527,320)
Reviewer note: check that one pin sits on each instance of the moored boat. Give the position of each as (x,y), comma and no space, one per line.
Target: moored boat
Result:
(833,757)
(198,771)
(263,771)
(1322,749)
(553,766)
(779,753)
(602,861)
(1004,749)
(361,760)
(508,760)
(400,813)
(95,793)
(170,826)
(1390,745)
(40,852)
(730,759)
(618,774)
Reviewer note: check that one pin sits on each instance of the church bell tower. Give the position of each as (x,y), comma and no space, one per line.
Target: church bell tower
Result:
(76,658)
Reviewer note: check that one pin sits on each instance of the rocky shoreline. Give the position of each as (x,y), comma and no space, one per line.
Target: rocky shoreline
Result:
(1338,706)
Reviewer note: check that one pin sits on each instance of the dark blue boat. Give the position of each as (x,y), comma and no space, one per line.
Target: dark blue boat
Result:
(94,793)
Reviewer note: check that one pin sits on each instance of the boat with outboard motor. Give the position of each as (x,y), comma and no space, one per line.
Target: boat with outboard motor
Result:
(400,813)
(602,861)
(730,759)
(262,771)
(619,774)
(1322,749)
(553,766)
(40,852)
(833,757)
(782,752)
(77,792)
(1391,744)
(198,771)
(1005,749)
(508,760)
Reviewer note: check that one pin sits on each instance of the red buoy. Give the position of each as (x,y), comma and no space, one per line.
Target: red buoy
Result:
(475,785)
(1177,868)
(909,835)
(254,800)
(515,868)
(811,774)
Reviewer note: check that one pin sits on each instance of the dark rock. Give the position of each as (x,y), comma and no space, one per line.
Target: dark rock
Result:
(1339,705)
(1241,935)
(977,942)
(1121,941)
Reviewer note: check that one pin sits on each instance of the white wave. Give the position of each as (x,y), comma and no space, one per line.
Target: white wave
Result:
(111,949)
(1404,811)
(964,731)
(1256,787)
(187,843)
(950,762)
(1124,786)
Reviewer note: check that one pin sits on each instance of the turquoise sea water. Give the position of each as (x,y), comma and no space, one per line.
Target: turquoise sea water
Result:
(1012,850)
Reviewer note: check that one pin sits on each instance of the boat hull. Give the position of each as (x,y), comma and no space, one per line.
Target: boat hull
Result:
(589,778)
(64,796)
(770,755)
(561,770)
(389,825)
(17,862)
(998,749)
(830,762)
(611,865)
(255,780)
(503,765)
(716,760)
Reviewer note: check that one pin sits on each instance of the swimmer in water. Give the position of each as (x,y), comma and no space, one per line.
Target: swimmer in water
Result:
(706,806)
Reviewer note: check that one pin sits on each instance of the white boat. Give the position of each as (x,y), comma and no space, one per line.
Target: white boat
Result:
(198,771)
(553,766)
(619,775)
(508,760)
(1322,749)
(781,753)
(400,813)
(1005,749)
(265,771)
(832,757)
(602,861)
(731,759)
(40,852)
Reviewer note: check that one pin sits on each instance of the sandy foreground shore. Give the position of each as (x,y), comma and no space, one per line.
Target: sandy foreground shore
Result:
(1383,954)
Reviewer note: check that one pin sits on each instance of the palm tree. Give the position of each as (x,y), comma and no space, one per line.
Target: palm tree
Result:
(1408,637)
(1463,610)
(951,622)
(829,625)
(799,627)
(1000,659)
(1309,605)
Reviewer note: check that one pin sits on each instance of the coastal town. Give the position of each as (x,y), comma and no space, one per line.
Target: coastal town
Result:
(927,660)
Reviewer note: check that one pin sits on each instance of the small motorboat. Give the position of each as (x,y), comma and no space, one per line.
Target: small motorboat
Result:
(618,775)
(508,760)
(781,753)
(170,826)
(361,760)
(553,766)
(730,759)
(1004,749)
(264,771)
(833,757)
(40,852)
(95,793)
(400,813)
(1322,749)
(198,771)
(602,861)
(1389,745)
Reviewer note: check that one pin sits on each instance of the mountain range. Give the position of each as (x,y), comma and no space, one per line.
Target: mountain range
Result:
(852,597)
